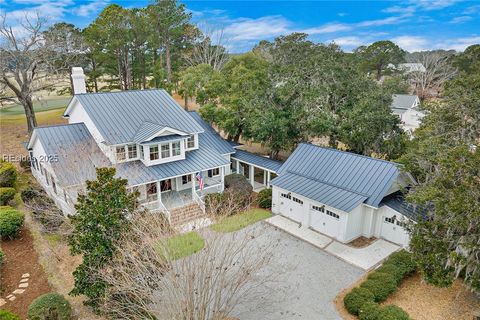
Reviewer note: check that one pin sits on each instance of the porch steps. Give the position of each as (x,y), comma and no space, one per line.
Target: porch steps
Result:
(187,213)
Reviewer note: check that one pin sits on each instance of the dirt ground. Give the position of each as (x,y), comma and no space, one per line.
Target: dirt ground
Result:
(21,258)
(425,302)
(361,242)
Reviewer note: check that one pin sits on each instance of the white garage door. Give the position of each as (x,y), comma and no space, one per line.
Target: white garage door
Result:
(324,221)
(392,230)
(291,207)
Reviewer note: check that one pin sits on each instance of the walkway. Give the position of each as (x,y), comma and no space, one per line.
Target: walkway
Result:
(365,258)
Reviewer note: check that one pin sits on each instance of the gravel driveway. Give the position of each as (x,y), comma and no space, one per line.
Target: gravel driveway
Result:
(308,280)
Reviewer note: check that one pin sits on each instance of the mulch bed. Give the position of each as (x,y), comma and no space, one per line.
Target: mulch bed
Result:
(21,258)
(361,242)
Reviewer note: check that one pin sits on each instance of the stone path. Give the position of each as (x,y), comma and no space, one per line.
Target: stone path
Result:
(21,289)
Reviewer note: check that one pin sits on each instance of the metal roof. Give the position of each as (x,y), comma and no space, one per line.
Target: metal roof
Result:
(258,161)
(73,152)
(347,171)
(119,116)
(171,137)
(210,138)
(403,101)
(397,202)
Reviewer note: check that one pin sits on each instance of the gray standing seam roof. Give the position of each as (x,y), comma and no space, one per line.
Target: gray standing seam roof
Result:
(210,138)
(358,176)
(119,116)
(172,137)
(259,161)
(403,101)
(397,202)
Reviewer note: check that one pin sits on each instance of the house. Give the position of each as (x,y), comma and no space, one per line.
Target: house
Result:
(407,107)
(411,67)
(342,195)
(151,141)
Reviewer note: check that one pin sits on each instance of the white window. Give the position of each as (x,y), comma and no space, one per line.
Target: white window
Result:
(286,195)
(165,150)
(121,153)
(214,172)
(297,200)
(317,208)
(141,152)
(191,142)
(332,214)
(154,152)
(390,220)
(186,178)
(152,191)
(132,151)
(175,148)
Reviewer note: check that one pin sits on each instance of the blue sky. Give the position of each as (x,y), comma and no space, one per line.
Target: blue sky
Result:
(414,25)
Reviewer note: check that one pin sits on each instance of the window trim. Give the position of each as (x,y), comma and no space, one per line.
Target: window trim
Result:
(190,140)
(131,151)
(157,152)
(169,150)
(117,153)
(173,148)
(186,179)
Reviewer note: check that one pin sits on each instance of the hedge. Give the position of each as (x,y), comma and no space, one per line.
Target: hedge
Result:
(8,175)
(264,198)
(356,298)
(50,306)
(382,286)
(392,312)
(238,182)
(369,311)
(7,315)
(11,221)
(6,195)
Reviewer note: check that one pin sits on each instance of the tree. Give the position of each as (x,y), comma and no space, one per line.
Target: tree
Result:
(100,220)
(194,82)
(28,63)
(468,61)
(378,55)
(395,85)
(208,49)
(446,243)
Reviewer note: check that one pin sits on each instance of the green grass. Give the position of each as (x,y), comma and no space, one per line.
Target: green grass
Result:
(240,221)
(42,117)
(38,106)
(182,245)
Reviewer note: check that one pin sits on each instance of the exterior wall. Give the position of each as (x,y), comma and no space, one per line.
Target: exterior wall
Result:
(400,235)
(354,224)
(227,168)
(412,118)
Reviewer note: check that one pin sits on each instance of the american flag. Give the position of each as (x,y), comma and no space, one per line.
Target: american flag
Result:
(201,182)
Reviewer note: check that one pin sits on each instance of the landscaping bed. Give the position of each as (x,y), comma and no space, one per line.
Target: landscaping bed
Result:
(240,221)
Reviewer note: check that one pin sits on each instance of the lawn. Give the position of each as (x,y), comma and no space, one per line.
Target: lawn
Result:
(183,245)
(240,221)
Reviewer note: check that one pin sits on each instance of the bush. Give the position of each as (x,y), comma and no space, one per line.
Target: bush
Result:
(7,315)
(264,198)
(238,182)
(2,258)
(369,311)
(43,209)
(357,298)
(6,195)
(8,175)
(50,306)
(392,312)
(381,285)
(404,260)
(10,222)
(396,271)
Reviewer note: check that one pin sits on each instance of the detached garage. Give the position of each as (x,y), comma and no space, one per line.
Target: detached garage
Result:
(340,194)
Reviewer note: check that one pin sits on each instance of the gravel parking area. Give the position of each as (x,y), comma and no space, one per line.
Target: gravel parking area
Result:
(308,280)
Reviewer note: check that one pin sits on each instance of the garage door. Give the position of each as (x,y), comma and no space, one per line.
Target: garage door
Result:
(324,221)
(393,230)
(291,207)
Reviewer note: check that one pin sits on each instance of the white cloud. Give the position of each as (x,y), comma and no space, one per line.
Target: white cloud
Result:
(461,19)
(411,43)
(400,9)
(385,21)
(256,29)
(434,4)
(91,8)
(458,44)
(348,42)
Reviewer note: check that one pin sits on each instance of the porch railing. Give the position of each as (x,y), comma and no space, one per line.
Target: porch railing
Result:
(199,201)
(155,205)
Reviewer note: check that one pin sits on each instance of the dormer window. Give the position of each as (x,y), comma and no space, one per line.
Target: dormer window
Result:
(176,149)
(154,152)
(165,150)
(121,154)
(132,151)
(191,142)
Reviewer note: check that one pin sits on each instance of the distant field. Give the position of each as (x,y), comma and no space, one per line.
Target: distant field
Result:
(38,106)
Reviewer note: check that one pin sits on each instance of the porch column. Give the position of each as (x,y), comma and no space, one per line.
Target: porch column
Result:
(238,166)
(159,194)
(193,184)
(222,175)
(268,179)
(251,175)
(264,177)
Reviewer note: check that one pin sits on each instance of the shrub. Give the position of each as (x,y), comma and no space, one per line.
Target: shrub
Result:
(264,198)
(357,298)
(7,315)
(2,258)
(8,174)
(43,209)
(6,195)
(396,271)
(10,222)
(403,259)
(392,312)
(50,306)
(238,182)
(25,163)
(369,311)
(382,285)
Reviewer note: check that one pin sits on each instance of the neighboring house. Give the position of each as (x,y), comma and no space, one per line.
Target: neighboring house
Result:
(152,141)
(411,67)
(407,107)
(341,194)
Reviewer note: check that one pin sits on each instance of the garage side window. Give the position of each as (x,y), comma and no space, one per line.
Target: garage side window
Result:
(332,214)
(317,208)
(297,200)
(390,220)
(285,195)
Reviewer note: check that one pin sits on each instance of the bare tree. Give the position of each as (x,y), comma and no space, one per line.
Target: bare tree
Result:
(210,49)
(144,282)
(27,63)
(438,70)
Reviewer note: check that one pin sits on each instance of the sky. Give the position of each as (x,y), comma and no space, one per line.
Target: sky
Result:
(413,24)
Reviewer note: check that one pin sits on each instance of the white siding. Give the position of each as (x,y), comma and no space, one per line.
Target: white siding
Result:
(354,225)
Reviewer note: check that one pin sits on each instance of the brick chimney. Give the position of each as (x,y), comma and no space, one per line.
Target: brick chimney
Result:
(78,78)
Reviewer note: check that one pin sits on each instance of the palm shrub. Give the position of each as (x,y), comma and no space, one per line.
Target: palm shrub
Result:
(7,315)
(11,220)
(6,195)
(8,174)
(50,306)
(356,298)
(382,285)
(264,198)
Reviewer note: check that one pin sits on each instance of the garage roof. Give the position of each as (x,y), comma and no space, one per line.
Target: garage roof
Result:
(353,177)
